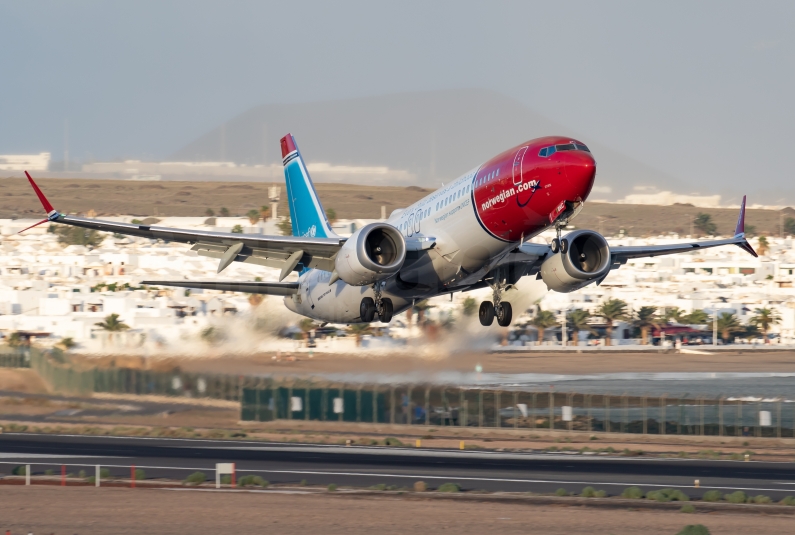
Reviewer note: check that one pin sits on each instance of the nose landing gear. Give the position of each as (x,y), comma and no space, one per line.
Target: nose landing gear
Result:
(498,309)
(382,306)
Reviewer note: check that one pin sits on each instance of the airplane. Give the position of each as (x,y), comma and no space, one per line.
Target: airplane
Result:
(472,233)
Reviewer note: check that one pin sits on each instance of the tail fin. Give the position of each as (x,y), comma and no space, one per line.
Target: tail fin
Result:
(306,213)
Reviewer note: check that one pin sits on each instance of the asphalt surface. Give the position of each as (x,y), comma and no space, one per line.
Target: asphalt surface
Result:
(367,466)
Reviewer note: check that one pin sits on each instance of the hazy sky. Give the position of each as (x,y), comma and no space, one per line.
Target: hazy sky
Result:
(701,90)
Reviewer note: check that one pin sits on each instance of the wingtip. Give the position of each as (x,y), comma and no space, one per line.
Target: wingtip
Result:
(44,202)
(740,228)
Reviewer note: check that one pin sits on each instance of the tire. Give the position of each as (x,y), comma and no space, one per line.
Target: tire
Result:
(555,245)
(367,309)
(564,246)
(504,314)
(486,313)
(386,310)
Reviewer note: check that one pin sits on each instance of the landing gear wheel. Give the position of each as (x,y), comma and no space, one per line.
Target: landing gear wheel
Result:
(385,313)
(555,245)
(564,246)
(504,314)
(367,309)
(486,313)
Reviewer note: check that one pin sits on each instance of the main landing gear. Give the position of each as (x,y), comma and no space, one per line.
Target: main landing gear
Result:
(382,306)
(497,309)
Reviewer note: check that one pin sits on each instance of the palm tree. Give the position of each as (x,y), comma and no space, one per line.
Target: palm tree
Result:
(763,246)
(578,319)
(421,307)
(705,225)
(728,324)
(265,212)
(543,320)
(697,317)
(470,306)
(674,315)
(253,216)
(14,340)
(764,319)
(112,324)
(612,310)
(645,319)
(331,215)
(307,326)
(358,330)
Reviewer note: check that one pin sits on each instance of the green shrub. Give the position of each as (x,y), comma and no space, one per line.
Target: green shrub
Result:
(600,494)
(104,473)
(81,474)
(196,478)
(561,492)
(226,479)
(392,441)
(694,529)
(712,496)
(667,495)
(588,492)
(47,472)
(303,483)
(788,500)
(449,487)
(18,471)
(252,481)
(761,498)
(332,487)
(139,474)
(380,486)
(633,493)
(736,497)
(91,480)
(687,508)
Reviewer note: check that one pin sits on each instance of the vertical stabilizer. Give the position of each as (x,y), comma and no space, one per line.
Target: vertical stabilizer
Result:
(306,213)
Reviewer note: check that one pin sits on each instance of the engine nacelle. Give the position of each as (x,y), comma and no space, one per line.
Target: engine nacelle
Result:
(372,253)
(583,257)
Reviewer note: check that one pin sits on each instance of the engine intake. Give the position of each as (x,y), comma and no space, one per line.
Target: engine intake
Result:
(584,257)
(373,253)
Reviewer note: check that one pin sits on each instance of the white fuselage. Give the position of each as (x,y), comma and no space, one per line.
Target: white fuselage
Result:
(462,250)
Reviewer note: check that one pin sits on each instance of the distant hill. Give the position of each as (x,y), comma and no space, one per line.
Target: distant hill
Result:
(435,135)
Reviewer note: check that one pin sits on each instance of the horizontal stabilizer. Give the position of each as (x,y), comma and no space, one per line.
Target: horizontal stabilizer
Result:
(266,288)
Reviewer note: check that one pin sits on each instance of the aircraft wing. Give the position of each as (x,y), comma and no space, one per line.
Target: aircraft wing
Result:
(532,255)
(267,288)
(283,252)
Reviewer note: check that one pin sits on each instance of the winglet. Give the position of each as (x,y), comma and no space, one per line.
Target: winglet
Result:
(739,231)
(44,202)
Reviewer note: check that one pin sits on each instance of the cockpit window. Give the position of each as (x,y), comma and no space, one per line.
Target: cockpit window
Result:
(549,151)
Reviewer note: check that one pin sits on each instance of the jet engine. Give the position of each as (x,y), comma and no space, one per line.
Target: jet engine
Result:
(582,257)
(371,254)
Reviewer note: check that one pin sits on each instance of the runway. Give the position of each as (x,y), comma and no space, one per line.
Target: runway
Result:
(367,466)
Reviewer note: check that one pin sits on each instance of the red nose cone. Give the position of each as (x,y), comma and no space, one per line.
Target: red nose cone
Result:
(581,172)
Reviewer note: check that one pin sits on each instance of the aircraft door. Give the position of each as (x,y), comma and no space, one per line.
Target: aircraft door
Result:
(410,225)
(417,222)
(517,166)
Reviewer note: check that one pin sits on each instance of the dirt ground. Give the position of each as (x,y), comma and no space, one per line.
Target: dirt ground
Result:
(21,380)
(177,198)
(525,362)
(89,511)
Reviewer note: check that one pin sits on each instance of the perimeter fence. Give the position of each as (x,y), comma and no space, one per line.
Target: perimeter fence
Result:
(270,398)
(441,406)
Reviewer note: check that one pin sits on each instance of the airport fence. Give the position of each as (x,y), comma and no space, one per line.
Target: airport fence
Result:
(269,398)
(440,406)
